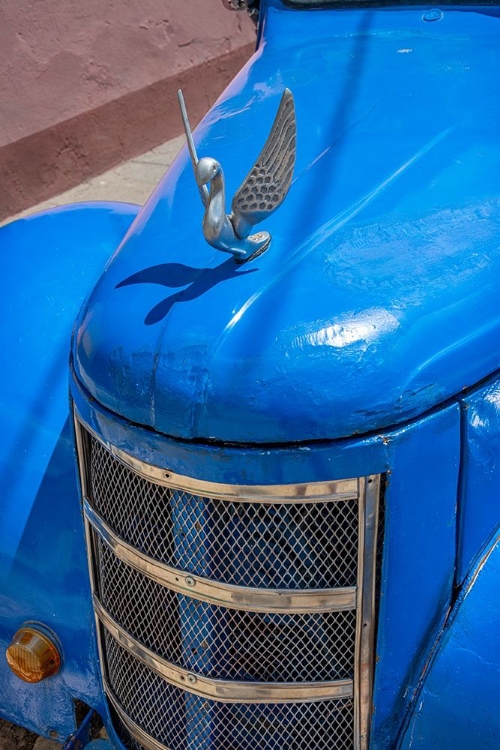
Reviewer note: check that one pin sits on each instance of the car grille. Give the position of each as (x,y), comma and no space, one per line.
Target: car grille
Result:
(182,720)
(230,617)
(294,546)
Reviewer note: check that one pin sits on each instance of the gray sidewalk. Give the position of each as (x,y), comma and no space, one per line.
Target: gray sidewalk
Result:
(132,182)
(15,738)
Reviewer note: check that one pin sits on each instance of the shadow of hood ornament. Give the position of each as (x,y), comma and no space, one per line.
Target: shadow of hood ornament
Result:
(261,193)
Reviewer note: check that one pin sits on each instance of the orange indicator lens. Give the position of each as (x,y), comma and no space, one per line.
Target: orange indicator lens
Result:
(32,656)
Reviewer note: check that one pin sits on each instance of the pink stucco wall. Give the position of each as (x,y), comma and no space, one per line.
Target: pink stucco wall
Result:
(61,57)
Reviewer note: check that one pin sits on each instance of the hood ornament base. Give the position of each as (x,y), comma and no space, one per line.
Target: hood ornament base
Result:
(261,193)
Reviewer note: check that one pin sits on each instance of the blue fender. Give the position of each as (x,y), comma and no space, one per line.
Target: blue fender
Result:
(458,703)
(50,261)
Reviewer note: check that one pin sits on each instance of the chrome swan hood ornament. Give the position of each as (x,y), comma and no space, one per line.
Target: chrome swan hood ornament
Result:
(261,193)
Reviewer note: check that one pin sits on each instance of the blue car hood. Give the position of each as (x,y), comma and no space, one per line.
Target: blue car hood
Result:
(379,297)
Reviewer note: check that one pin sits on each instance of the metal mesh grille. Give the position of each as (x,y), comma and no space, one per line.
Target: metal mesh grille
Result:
(302,545)
(224,643)
(296,546)
(180,720)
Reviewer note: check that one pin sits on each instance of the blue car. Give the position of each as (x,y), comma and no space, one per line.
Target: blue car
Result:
(251,497)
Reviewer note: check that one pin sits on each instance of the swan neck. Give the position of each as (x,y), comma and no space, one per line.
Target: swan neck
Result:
(217,185)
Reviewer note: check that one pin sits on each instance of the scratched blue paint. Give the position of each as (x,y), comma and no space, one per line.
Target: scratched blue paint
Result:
(378,298)
(458,704)
(50,262)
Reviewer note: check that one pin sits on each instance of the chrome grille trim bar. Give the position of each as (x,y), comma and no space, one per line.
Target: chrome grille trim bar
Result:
(343,489)
(288,601)
(134,730)
(365,640)
(224,691)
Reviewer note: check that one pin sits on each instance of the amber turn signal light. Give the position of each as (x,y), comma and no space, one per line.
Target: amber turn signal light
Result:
(32,656)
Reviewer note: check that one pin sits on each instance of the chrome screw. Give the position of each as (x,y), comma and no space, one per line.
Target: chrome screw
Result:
(191,679)
(190,581)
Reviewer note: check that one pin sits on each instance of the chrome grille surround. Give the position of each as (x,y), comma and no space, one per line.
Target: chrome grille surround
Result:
(231,617)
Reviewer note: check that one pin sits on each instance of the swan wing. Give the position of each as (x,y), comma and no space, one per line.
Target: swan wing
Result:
(267,184)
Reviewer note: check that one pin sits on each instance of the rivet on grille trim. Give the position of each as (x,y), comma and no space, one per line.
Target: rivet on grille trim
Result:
(190,581)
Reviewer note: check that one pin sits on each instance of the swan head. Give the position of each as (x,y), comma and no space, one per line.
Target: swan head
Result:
(206,169)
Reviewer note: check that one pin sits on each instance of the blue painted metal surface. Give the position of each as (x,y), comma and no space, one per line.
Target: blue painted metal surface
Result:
(378,298)
(377,302)
(420,522)
(419,556)
(458,704)
(50,262)
(480,493)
